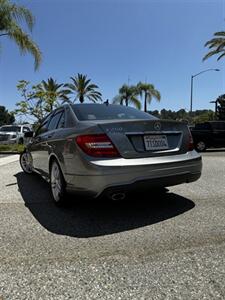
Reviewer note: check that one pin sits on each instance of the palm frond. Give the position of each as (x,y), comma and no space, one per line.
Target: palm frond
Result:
(70,86)
(91,86)
(217,44)
(214,42)
(83,88)
(10,17)
(135,102)
(149,92)
(222,55)
(25,44)
(209,54)
(128,95)
(156,94)
(221,46)
(21,13)
(86,83)
(220,33)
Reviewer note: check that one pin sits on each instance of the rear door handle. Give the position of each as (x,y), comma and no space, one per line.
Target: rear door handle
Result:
(50,135)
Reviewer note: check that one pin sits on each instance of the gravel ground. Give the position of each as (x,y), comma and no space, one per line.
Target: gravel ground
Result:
(169,246)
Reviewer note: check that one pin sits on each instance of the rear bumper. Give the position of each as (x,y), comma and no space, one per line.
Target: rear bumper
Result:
(144,185)
(126,174)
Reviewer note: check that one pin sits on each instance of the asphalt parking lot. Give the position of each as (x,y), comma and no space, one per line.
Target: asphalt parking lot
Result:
(168,246)
(3,155)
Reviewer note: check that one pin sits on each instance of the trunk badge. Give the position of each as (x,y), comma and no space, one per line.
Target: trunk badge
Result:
(157,126)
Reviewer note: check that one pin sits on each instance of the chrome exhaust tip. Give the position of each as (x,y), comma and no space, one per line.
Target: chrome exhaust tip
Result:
(118,196)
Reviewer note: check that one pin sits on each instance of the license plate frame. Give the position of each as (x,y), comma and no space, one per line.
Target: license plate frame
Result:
(156,142)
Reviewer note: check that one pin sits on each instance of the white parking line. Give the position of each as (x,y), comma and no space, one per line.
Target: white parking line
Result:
(9,159)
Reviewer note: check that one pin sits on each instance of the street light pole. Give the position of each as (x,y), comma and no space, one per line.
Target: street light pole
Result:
(192,77)
(191,93)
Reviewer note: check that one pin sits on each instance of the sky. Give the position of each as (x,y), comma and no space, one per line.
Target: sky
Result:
(122,41)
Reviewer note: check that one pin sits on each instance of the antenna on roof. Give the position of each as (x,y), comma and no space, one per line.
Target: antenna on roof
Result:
(106,102)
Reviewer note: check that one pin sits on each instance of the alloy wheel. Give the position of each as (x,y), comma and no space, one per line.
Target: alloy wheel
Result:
(56,182)
(26,162)
(201,146)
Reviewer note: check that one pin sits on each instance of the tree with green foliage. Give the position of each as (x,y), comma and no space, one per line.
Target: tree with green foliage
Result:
(53,93)
(168,114)
(83,89)
(32,101)
(216,45)
(11,17)
(155,113)
(206,116)
(148,91)
(198,116)
(6,117)
(127,95)
(41,99)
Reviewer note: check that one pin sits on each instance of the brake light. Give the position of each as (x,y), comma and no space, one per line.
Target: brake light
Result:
(98,145)
(190,141)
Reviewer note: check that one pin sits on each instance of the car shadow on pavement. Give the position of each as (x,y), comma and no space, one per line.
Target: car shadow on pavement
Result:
(84,218)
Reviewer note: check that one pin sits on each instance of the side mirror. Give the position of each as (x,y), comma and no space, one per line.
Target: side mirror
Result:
(28,134)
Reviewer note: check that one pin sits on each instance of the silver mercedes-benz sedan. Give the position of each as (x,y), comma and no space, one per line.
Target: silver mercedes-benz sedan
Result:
(103,149)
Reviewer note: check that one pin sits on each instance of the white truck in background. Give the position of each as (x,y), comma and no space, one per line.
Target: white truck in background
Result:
(13,134)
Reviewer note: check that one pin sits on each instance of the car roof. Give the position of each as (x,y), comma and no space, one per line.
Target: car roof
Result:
(93,104)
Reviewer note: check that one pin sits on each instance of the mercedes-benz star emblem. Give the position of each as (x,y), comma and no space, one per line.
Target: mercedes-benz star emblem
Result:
(157,126)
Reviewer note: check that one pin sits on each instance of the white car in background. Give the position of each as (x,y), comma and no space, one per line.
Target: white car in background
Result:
(13,134)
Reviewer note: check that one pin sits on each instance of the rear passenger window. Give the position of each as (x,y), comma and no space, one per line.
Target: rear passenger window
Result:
(44,126)
(53,124)
(61,123)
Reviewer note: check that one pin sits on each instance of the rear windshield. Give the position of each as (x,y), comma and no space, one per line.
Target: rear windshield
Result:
(10,128)
(88,112)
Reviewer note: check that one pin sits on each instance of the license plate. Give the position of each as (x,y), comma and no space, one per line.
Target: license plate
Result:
(156,142)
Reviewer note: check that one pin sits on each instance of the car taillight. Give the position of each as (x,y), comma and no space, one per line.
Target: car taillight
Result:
(190,141)
(98,145)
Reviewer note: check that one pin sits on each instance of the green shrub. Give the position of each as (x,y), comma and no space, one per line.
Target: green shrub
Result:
(12,148)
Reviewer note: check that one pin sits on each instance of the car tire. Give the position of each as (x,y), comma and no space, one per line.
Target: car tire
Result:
(57,182)
(26,162)
(200,146)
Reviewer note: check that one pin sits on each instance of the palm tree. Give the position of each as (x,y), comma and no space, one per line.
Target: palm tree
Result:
(149,92)
(84,89)
(10,17)
(127,94)
(52,92)
(217,44)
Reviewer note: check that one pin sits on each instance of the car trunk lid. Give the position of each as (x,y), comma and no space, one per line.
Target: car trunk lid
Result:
(146,138)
